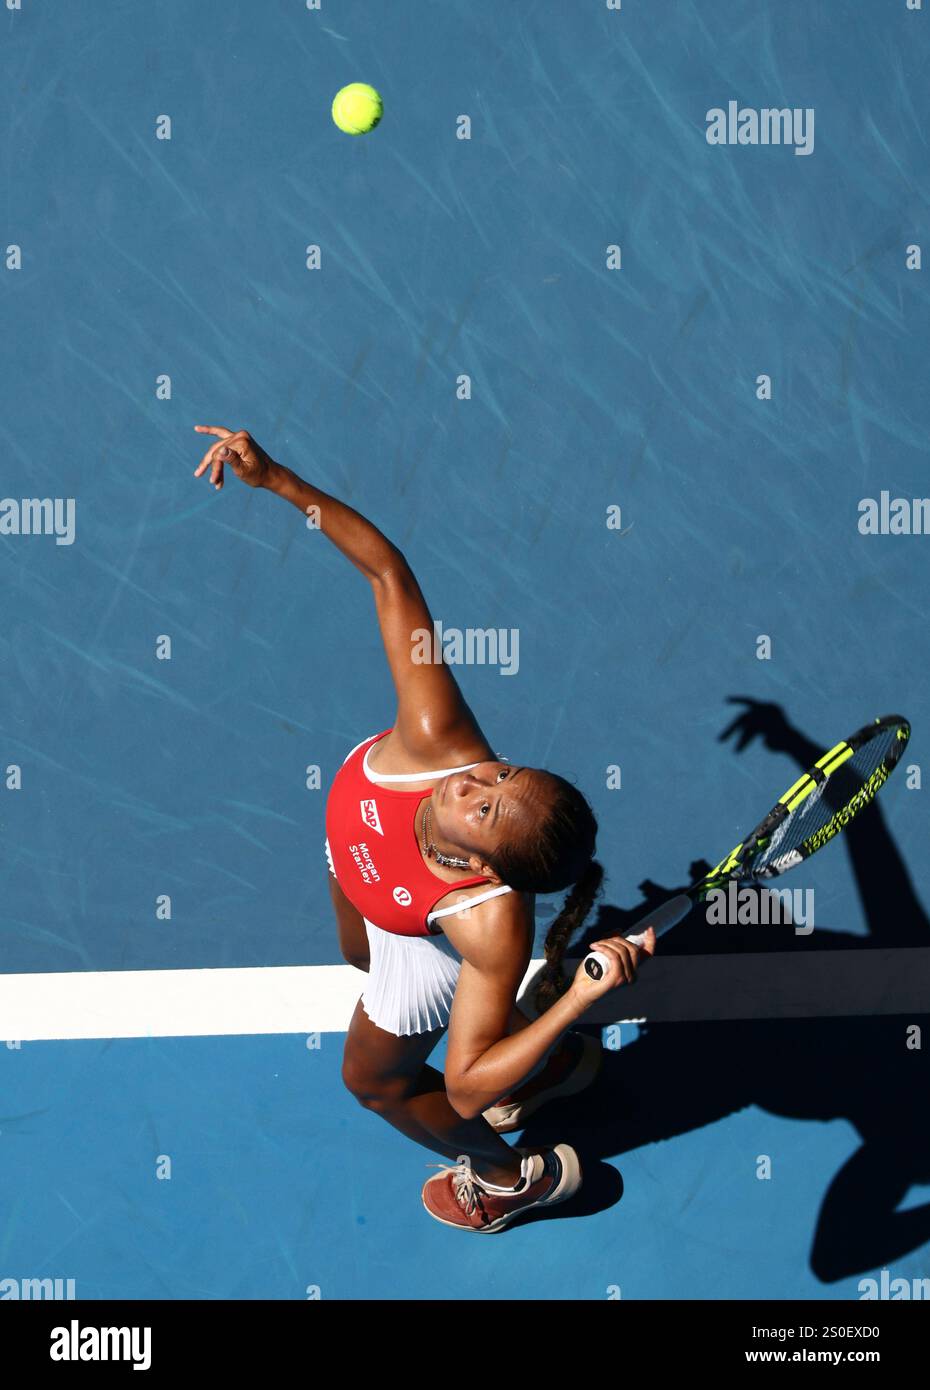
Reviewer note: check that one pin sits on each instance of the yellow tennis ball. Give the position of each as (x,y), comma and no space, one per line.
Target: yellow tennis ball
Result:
(357,108)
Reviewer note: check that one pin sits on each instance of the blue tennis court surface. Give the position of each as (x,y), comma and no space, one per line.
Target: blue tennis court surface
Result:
(183,672)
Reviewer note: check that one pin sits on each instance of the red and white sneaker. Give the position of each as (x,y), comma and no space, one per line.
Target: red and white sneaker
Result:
(456,1196)
(511,1113)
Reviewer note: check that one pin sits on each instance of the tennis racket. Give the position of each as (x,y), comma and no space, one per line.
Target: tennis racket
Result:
(809,814)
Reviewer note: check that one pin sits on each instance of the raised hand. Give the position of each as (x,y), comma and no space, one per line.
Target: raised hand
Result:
(238,449)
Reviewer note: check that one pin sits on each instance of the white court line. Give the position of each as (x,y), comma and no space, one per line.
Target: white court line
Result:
(321,998)
(180,1003)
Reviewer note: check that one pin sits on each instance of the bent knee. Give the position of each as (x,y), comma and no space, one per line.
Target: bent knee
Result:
(375,1092)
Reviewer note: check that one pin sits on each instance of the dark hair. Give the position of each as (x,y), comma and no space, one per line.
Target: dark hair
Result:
(557,854)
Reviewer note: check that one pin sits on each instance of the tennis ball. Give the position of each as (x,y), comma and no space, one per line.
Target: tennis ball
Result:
(357,108)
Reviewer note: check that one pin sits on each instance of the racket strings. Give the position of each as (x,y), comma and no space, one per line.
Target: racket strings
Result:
(828,808)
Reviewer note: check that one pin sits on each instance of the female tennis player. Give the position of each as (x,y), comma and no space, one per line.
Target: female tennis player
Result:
(436,848)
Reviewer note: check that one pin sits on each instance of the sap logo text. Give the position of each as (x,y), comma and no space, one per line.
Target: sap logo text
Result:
(370,815)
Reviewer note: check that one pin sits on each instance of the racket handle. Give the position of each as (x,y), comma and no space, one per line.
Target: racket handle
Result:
(596,965)
(661,921)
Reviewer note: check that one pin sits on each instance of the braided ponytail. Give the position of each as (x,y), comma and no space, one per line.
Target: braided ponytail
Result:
(552,983)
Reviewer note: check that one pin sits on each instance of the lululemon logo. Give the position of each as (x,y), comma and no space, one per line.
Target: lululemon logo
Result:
(403,897)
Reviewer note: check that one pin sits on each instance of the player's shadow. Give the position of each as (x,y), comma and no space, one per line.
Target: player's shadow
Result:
(677,1077)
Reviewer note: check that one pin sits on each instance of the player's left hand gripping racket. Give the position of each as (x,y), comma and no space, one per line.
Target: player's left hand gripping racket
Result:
(809,814)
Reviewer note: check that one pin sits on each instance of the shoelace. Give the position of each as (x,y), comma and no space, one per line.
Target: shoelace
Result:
(465,1187)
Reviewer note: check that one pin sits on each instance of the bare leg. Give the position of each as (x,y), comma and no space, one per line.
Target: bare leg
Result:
(389,1075)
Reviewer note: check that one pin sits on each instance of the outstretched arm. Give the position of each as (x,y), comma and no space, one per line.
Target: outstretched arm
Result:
(432,716)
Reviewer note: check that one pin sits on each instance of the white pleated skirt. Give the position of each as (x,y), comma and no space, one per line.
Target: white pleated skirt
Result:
(411,981)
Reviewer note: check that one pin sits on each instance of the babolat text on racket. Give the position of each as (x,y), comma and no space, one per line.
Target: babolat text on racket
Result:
(810,813)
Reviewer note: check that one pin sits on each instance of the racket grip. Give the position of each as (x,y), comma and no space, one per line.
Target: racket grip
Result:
(661,921)
(596,965)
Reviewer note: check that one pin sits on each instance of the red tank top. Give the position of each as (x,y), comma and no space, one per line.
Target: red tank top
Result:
(375,852)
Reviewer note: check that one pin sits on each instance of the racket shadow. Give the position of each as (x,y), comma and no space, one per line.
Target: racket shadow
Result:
(679,1077)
